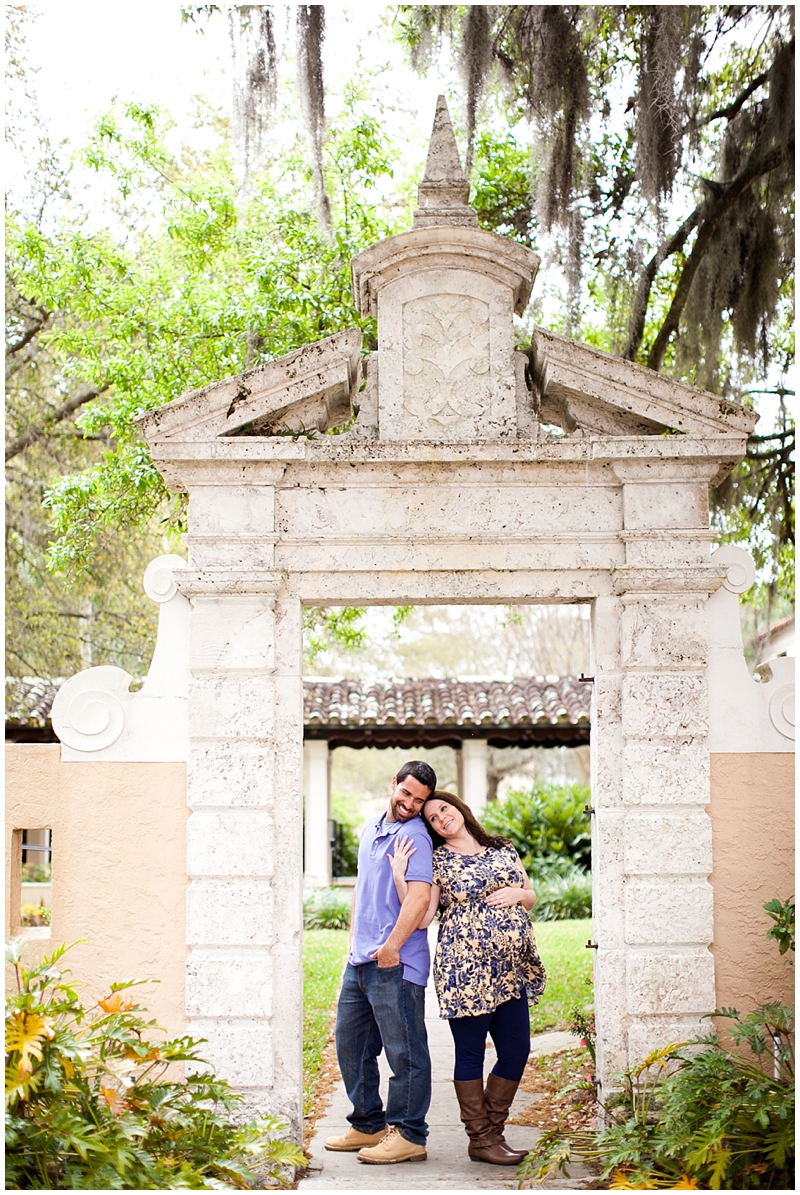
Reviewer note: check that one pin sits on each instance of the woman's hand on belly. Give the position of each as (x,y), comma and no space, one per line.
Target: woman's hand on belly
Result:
(504,898)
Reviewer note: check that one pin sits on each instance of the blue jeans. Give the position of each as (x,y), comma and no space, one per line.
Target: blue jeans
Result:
(378,1009)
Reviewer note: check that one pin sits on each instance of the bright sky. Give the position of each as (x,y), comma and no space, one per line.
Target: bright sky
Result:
(87,53)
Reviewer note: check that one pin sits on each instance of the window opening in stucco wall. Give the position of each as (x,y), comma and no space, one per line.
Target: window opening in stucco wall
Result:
(36,880)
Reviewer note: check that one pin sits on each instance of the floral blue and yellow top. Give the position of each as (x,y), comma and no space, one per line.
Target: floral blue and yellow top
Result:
(484,955)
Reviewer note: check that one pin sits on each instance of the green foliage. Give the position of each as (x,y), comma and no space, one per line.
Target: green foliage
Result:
(548,826)
(782,913)
(34,915)
(324,953)
(327,908)
(92,1101)
(695,1115)
(562,949)
(562,897)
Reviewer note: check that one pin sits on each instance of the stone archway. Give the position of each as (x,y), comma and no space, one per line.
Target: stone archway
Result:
(446,489)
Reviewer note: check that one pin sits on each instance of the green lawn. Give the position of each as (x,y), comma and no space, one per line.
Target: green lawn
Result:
(323,961)
(562,949)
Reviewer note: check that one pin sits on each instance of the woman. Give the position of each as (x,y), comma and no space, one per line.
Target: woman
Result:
(486,968)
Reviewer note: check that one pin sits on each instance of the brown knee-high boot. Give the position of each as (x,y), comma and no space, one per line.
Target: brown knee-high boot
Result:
(498,1098)
(484,1145)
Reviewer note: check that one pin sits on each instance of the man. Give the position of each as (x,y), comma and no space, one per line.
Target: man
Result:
(382,1002)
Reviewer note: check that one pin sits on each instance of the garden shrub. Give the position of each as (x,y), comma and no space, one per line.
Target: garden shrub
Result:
(93,1103)
(562,897)
(696,1115)
(546,822)
(327,908)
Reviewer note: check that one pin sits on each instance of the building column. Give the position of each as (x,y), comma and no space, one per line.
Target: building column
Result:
(474,761)
(316,772)
(651,835)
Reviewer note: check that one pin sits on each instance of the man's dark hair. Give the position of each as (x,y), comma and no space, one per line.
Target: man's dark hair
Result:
(421,771)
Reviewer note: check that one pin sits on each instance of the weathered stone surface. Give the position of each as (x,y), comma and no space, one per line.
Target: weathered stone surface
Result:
(309,388)
(654,1033)
(231,842)
(666,633)
(233,632)
(669,982)
(664,706)
(235,912)
(665,774)
(638,397)
(241,1048)
(668,911)
(229,982)
(668,842)
(235,774)
(230,510)
(230,706)
(660,504)
(658,549)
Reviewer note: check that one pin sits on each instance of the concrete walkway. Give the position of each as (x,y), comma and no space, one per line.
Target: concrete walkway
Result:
(447,1168)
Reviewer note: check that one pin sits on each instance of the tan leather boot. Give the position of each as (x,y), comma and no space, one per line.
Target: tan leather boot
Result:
(498,1097)
(353,1140)
(484,1145)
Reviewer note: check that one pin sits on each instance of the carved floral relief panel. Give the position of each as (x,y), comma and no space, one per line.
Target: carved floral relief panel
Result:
(446,369)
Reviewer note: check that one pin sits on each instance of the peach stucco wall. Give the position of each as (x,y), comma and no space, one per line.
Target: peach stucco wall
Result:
(752,826)
(119,869)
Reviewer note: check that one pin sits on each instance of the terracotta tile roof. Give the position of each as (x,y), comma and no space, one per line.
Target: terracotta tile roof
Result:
(29,700)
(527,701)
(549,710)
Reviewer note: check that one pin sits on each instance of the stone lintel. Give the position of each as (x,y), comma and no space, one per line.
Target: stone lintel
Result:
(701,580)
(193,582)
(710,454)
(568,370)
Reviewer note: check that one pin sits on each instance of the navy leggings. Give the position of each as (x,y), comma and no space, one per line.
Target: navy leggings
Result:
(510,1030)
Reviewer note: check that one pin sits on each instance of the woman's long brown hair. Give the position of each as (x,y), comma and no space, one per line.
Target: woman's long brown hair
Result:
(481,836)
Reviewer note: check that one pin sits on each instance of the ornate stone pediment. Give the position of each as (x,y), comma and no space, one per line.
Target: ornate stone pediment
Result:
(308,390)
(582,389)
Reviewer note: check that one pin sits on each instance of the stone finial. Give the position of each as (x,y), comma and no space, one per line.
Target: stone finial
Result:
(444,191)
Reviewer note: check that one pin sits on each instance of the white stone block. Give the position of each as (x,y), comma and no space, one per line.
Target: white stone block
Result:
(664,706)
(235,912)
(672,842)
(665,774)
(235,842)
(229,983)
(664,634)
(237,774)
(230,706)
(234,631)
(231,509)
(670,982)
(668,549)
(669,912)
(241,1049)
(647,1034)
(665,504)
(606,655)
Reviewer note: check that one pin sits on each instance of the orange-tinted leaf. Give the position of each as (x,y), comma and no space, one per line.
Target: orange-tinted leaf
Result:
(113,1097)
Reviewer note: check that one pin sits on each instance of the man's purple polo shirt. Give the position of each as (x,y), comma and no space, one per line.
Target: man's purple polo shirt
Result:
(377,902)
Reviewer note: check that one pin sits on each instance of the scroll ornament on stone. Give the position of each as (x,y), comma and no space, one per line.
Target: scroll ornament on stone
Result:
(91,708)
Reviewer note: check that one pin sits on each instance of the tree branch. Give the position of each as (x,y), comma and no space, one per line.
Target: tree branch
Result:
(716,209)
(63,412)
(34,325)
(731,110)
(665,250)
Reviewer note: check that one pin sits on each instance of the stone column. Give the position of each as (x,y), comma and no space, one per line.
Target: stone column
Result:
(316,769)
(653,915)
(244,987)
(474,761)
